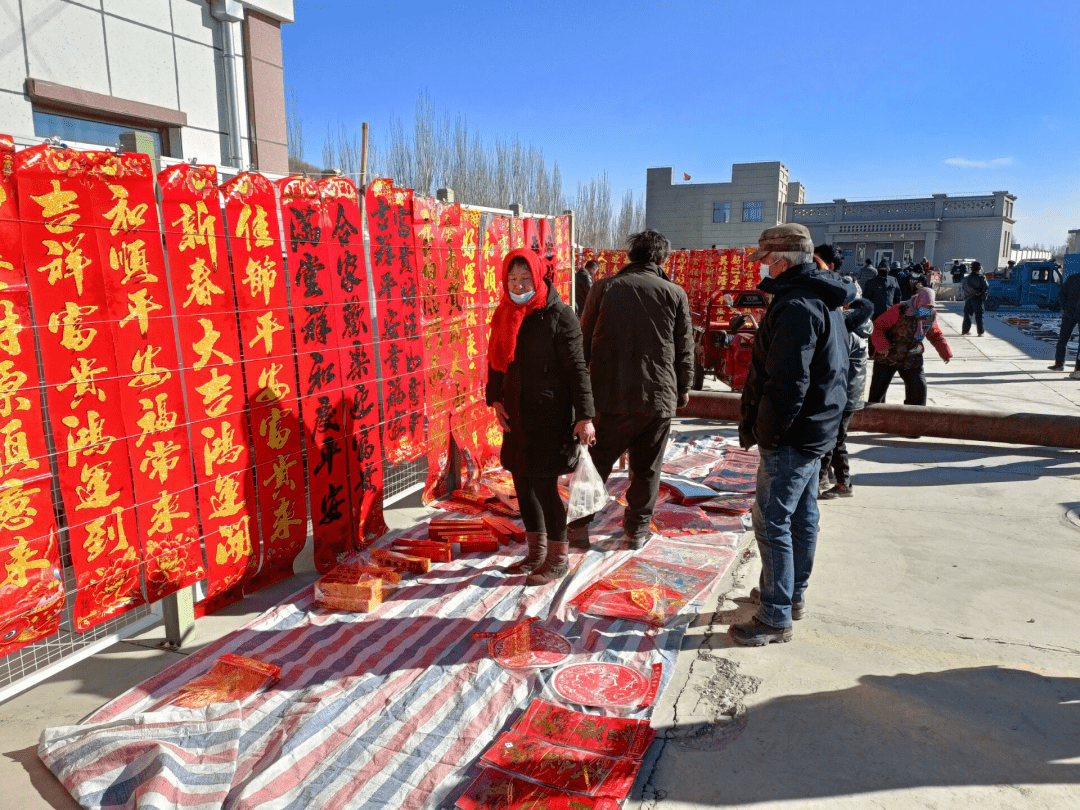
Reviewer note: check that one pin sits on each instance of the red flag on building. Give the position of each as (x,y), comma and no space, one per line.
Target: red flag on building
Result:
(685,176)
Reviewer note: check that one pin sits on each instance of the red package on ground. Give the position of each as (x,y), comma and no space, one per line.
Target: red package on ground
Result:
(495,790)
(610,736)
(437,552)
(232,677)
(402,562)
(349,587)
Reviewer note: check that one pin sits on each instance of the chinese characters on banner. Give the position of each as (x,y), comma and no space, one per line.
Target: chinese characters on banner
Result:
(31,589)
(263,304)
(322,408)
(140,317)
(564,261)
(202,288)
(82,382)
(398,315)
(349,290)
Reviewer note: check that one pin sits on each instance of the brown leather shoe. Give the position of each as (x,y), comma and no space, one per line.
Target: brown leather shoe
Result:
(755,633)
(554,567)
(538,543)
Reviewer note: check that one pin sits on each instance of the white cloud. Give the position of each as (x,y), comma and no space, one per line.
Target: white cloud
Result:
(965,163)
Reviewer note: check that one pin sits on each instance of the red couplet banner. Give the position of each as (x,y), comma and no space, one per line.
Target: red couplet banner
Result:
(564,260)
(82,379)
(315,319)
(251,213)
(140,316)
(359,379)
(31,590)
(202,288)
(398,314)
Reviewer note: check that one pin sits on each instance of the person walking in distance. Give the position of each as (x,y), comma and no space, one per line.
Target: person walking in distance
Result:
(640,347)
(792,404)
(975,288)
(882,291)
(1069,298)
(583,281)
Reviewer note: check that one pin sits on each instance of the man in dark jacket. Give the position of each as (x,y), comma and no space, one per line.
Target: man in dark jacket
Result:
(1069,298)
(975,288)
(882,291)
(640,347)
(794,399)
(583,281)
(903,280)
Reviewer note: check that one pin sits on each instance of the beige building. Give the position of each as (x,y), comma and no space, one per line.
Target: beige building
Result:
(695,216)
(941,227)
(185,78)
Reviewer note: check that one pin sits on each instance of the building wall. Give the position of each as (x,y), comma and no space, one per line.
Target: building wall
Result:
(684,212)
(940,227)
(149,62)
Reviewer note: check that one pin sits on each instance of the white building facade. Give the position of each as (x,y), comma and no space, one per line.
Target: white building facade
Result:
(187,79)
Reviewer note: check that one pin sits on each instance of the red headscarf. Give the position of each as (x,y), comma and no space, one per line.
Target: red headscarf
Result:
(506,322)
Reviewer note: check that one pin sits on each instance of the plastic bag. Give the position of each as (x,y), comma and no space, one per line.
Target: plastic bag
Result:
(588,493)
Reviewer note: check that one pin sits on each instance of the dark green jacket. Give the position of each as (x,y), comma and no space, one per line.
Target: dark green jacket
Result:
(639,342)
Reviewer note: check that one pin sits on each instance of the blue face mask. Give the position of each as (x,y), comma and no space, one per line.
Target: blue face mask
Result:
(922,312)
(522,298)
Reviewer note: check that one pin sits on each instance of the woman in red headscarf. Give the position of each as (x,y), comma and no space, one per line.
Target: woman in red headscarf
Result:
(538,384)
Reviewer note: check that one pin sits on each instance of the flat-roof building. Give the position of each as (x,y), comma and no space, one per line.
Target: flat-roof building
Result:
(940,227)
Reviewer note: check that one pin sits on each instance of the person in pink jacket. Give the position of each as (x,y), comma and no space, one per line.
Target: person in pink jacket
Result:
(898,340)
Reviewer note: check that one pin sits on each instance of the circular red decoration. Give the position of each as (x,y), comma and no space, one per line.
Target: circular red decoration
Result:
(546,649)
(600,684)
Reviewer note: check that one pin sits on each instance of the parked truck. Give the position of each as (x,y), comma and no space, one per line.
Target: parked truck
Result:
(1032,283)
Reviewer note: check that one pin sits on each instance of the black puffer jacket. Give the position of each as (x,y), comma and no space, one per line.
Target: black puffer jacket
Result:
(796,389)
(639,342)
(545,391)
(882,292)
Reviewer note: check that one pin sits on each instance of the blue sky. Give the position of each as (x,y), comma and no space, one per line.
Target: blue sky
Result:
(860,100)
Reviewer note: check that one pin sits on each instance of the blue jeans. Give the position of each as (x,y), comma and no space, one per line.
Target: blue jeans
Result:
(785,518)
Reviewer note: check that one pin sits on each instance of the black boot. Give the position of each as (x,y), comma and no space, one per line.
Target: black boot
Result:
(554,567)
(578,537)
(538,549)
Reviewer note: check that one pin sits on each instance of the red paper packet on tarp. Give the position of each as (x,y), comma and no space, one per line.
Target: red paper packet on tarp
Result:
(495,790)
(644,591)
(232,677)
(610,736)
(527,645)
(562,767)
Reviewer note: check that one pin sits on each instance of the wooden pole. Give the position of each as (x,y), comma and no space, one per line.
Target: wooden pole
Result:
(363,157)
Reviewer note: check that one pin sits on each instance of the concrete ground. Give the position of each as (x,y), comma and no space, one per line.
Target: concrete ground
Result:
(938,665)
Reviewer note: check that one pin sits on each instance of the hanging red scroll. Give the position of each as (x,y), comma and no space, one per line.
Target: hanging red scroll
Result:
(679,261)
(359,380)
(139,315)
(202,288)
(262,299)
(431,241)
(315,320)
(517,233)
(398,315)
(564,260)
(31,590)
(469,292)
(82,384)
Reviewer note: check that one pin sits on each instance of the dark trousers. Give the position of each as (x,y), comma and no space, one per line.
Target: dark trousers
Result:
(837,458)
(914,383)
(1068,323)
(645,437)
(542,508)
(973,308)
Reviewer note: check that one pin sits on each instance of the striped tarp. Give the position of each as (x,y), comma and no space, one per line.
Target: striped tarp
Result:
(387,709)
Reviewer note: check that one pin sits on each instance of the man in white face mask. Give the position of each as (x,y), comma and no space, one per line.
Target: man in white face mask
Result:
(794,399)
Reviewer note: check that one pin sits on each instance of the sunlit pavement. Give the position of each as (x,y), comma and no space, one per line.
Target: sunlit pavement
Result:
(939,663)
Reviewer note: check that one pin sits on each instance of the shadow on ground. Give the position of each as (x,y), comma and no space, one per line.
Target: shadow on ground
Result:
(959,727)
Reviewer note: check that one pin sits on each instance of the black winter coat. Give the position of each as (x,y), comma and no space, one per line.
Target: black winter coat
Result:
(796,389)
(545,391)
(1069,295)
(882,293)
(860,327)
(583,282)
(639,342)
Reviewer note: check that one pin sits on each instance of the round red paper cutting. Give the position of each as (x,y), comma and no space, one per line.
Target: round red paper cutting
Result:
(600,684)
(546,649)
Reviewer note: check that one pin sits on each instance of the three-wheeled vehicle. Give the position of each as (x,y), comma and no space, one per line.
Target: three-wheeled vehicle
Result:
(1032,283)
(724,336)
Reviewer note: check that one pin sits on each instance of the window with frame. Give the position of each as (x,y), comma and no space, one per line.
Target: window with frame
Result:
(86,130)
(721,212)
(752,211)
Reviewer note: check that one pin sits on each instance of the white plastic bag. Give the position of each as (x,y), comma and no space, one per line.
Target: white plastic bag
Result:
(588,494)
